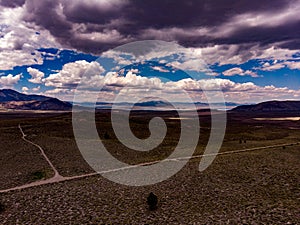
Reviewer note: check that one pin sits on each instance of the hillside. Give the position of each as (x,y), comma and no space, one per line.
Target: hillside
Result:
(10,99)
(7,95)
(270,106)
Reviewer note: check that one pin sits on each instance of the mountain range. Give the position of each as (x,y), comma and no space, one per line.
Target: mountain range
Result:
(270,106)
(10,99)
(163,104)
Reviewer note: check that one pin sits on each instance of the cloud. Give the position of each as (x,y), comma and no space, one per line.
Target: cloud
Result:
(87,25)
(293,65)
(25,89)
(104,37)
(9,80)
(99,11)
(233,91)
(135,71)
(244,27)
(215,84)
(160,69)
(11,59)
(213,32)
(238,71)
(135,86)
(12,4)
(239,54)
(259,19)
(268,67)
(222,35)
(36,75)
(36,89)
(33,90)
(118,57)
(198,58)
(72,73)
(131,80)
(233,71)
(190,64)
(20,40)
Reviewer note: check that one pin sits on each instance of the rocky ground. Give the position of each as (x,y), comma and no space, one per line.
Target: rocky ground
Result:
(249,188)
(253,187)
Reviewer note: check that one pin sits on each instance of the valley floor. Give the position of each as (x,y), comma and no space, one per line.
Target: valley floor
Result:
(254,179)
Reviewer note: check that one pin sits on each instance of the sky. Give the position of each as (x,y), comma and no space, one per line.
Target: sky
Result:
(249,50)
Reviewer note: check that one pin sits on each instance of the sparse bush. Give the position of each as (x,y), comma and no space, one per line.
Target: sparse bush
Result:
(38,175)
(2,207)
(152,201)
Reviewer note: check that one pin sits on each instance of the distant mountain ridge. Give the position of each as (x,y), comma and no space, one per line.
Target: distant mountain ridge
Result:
(161,104)
(270,106)
(7,95)
(11,99)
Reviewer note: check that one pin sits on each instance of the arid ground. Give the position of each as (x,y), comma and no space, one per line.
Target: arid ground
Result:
(246,184)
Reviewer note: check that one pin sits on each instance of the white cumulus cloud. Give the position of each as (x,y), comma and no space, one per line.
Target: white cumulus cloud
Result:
(25,89)
(9,80)
(36,75)
(239,71)
(72,73)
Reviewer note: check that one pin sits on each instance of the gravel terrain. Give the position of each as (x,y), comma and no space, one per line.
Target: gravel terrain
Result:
(246,188)
(251,187)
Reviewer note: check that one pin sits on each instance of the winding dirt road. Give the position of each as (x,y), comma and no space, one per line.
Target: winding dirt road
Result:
(56,174)
(58,178)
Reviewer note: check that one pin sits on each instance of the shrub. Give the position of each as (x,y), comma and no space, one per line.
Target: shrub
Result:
(2,207)
(38,175)
(152,201)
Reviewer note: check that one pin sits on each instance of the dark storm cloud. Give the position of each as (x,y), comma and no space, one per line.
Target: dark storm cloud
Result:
(77,23)
(46,14)
(12,4)
(266,35)
(285,36)
(190,13)
(293,44)
(95,12)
